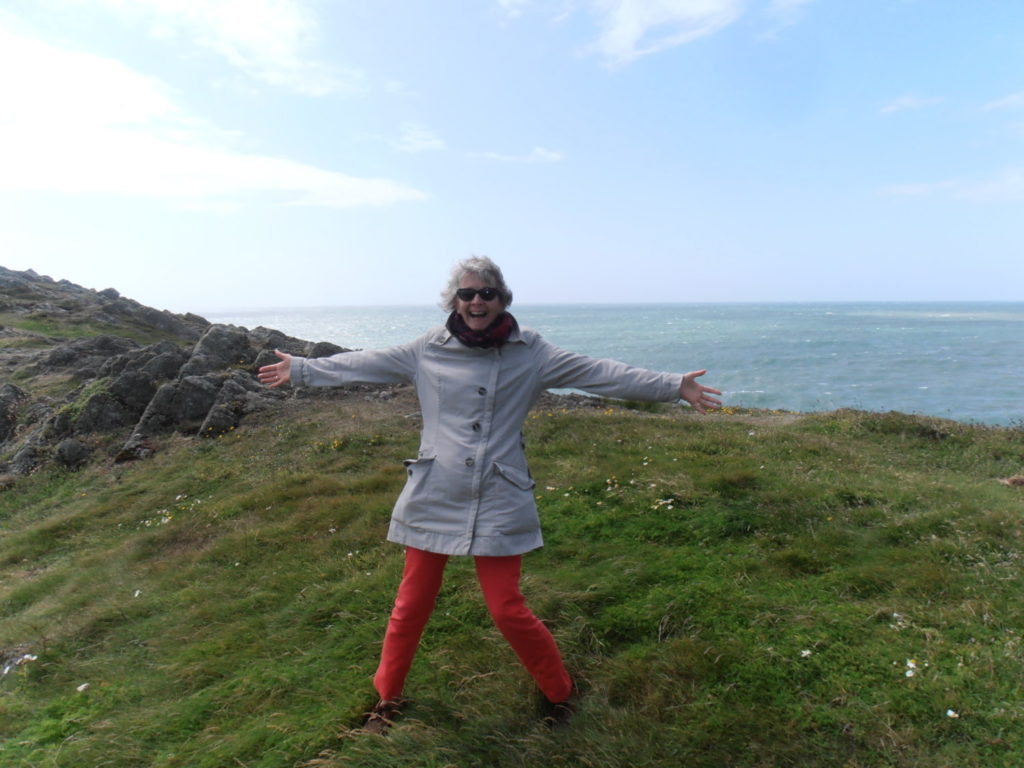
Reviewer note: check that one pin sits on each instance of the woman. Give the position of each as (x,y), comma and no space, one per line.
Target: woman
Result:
(469,491)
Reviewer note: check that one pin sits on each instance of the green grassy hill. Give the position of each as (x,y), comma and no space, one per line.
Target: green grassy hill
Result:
(744,589)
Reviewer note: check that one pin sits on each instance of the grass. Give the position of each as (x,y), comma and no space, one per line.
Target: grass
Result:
(39,329)
(744,589)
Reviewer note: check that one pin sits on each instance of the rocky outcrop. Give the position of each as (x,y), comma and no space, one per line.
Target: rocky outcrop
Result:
(83,357)
(199,381)
(38,297)
(10,397)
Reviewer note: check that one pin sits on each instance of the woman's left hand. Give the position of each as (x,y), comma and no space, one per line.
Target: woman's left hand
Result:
(696,394)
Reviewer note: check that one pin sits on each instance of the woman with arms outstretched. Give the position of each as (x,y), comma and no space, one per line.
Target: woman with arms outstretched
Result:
(469,491)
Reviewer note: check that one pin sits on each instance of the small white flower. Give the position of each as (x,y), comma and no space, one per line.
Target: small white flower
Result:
(806,654)
(910,673)
(136,593)
(82,688)
(952,714)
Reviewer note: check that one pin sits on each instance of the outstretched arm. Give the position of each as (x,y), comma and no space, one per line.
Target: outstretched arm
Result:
(279,373)
(696,394)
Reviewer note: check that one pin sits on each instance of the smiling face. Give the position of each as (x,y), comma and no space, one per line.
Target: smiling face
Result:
(478,314)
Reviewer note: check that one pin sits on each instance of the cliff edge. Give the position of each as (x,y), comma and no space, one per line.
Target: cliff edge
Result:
(88,374)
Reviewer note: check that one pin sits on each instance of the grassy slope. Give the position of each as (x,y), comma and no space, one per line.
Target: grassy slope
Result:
(24,334)
(736,590)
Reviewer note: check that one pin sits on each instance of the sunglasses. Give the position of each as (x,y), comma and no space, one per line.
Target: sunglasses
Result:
(487,294)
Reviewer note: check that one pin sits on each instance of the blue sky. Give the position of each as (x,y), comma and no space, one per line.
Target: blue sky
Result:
(208,155)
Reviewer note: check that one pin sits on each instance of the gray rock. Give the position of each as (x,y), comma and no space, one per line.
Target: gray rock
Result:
(134,389)
(84,357)
(72,453)
(221,347)
(10,398)
(324,349)
(165,365)
(170,356)
(137,446)
(201,380)
(102,413)
(239,396)
(26,460)
(180,405)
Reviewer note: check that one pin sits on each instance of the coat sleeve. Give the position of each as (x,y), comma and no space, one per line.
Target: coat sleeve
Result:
(599,376)
(393,365)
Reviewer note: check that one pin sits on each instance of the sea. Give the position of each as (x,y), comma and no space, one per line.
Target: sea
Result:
(950,360)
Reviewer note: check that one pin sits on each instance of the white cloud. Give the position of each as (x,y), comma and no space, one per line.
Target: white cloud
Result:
(266,39)
(631,29)
(513,7)
(536,155)
(784,13)
(634,28)
(416,137)
(919,189)
(81,124)
(905,103)
(1007,186)
(1013,101)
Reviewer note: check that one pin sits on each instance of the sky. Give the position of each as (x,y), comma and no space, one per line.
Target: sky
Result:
(215,155)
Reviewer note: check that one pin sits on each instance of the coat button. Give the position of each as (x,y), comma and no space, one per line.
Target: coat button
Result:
(470,462)
(476,426)
(482,391)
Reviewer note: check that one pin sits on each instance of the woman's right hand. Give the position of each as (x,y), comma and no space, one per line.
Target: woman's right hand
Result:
(279,373)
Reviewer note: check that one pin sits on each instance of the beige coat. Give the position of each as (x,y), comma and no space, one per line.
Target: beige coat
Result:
(469,491)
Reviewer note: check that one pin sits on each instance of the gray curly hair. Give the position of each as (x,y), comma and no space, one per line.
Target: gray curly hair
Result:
(482,267)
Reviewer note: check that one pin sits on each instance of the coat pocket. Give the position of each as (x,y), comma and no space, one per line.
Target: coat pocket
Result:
(510,509)
(520,478)
(417,481)
(417,506)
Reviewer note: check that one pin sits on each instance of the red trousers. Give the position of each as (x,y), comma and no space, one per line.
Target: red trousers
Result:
(499,579)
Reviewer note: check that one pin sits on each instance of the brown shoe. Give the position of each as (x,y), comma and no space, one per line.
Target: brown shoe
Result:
(558,714)
(383,716)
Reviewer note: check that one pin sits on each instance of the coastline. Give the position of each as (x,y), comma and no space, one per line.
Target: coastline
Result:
(954,360)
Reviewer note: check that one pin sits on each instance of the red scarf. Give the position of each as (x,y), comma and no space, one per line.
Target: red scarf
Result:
(494,335)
